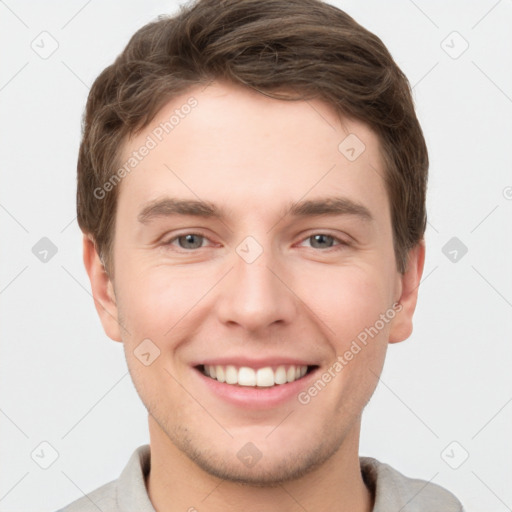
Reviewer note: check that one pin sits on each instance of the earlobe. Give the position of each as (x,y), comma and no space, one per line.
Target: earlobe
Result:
(102,290)
(401,327)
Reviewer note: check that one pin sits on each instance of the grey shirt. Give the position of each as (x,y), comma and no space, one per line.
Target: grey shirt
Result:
(393,491)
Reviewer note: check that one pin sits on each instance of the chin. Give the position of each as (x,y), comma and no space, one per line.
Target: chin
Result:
(246,464)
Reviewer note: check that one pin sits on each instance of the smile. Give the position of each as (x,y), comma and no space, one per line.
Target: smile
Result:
(265,377)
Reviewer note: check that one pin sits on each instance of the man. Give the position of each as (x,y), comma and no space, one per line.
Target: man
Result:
(251,189)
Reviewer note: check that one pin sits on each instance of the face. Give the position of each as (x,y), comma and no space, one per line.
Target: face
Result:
(253,245)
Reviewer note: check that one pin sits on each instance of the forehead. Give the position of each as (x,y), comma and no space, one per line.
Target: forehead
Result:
(228,143)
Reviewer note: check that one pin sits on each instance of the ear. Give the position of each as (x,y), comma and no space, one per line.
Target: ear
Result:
(401,327)
(102,290)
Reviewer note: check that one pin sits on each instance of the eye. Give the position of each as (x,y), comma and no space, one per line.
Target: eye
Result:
(323,241)
(188,241)
(192,241)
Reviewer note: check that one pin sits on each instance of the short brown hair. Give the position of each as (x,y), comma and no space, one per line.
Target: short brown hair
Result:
(307,47)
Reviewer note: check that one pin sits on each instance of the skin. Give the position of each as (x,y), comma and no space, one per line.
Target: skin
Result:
(253,157)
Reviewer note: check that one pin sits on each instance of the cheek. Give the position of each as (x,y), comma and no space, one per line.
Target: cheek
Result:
(347,299)
(362,325)
(159,302)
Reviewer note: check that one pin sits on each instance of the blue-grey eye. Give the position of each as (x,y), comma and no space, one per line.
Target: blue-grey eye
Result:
(321,241)
(190,241)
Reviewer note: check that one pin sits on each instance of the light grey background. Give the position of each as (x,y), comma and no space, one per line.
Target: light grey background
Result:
(64,382)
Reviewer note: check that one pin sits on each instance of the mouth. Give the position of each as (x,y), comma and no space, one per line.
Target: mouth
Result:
(264,377)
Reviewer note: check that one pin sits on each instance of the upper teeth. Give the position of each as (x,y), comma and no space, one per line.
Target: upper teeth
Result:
(262,377)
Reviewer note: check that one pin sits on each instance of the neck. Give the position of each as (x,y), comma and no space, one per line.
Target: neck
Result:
(175,483)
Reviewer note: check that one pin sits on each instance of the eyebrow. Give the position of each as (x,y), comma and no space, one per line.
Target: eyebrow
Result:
(330,206)
(324,206)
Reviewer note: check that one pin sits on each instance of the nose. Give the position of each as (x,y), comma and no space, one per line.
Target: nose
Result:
(257,295)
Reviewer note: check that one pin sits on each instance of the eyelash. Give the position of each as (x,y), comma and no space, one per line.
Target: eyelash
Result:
(339,242)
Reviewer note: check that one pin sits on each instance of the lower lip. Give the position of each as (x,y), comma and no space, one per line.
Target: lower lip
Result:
(250,397)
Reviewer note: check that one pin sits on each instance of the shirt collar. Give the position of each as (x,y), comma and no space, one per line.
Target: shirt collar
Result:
(132,495)
(390,489)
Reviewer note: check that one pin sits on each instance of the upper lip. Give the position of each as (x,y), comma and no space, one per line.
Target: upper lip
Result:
(256,363)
